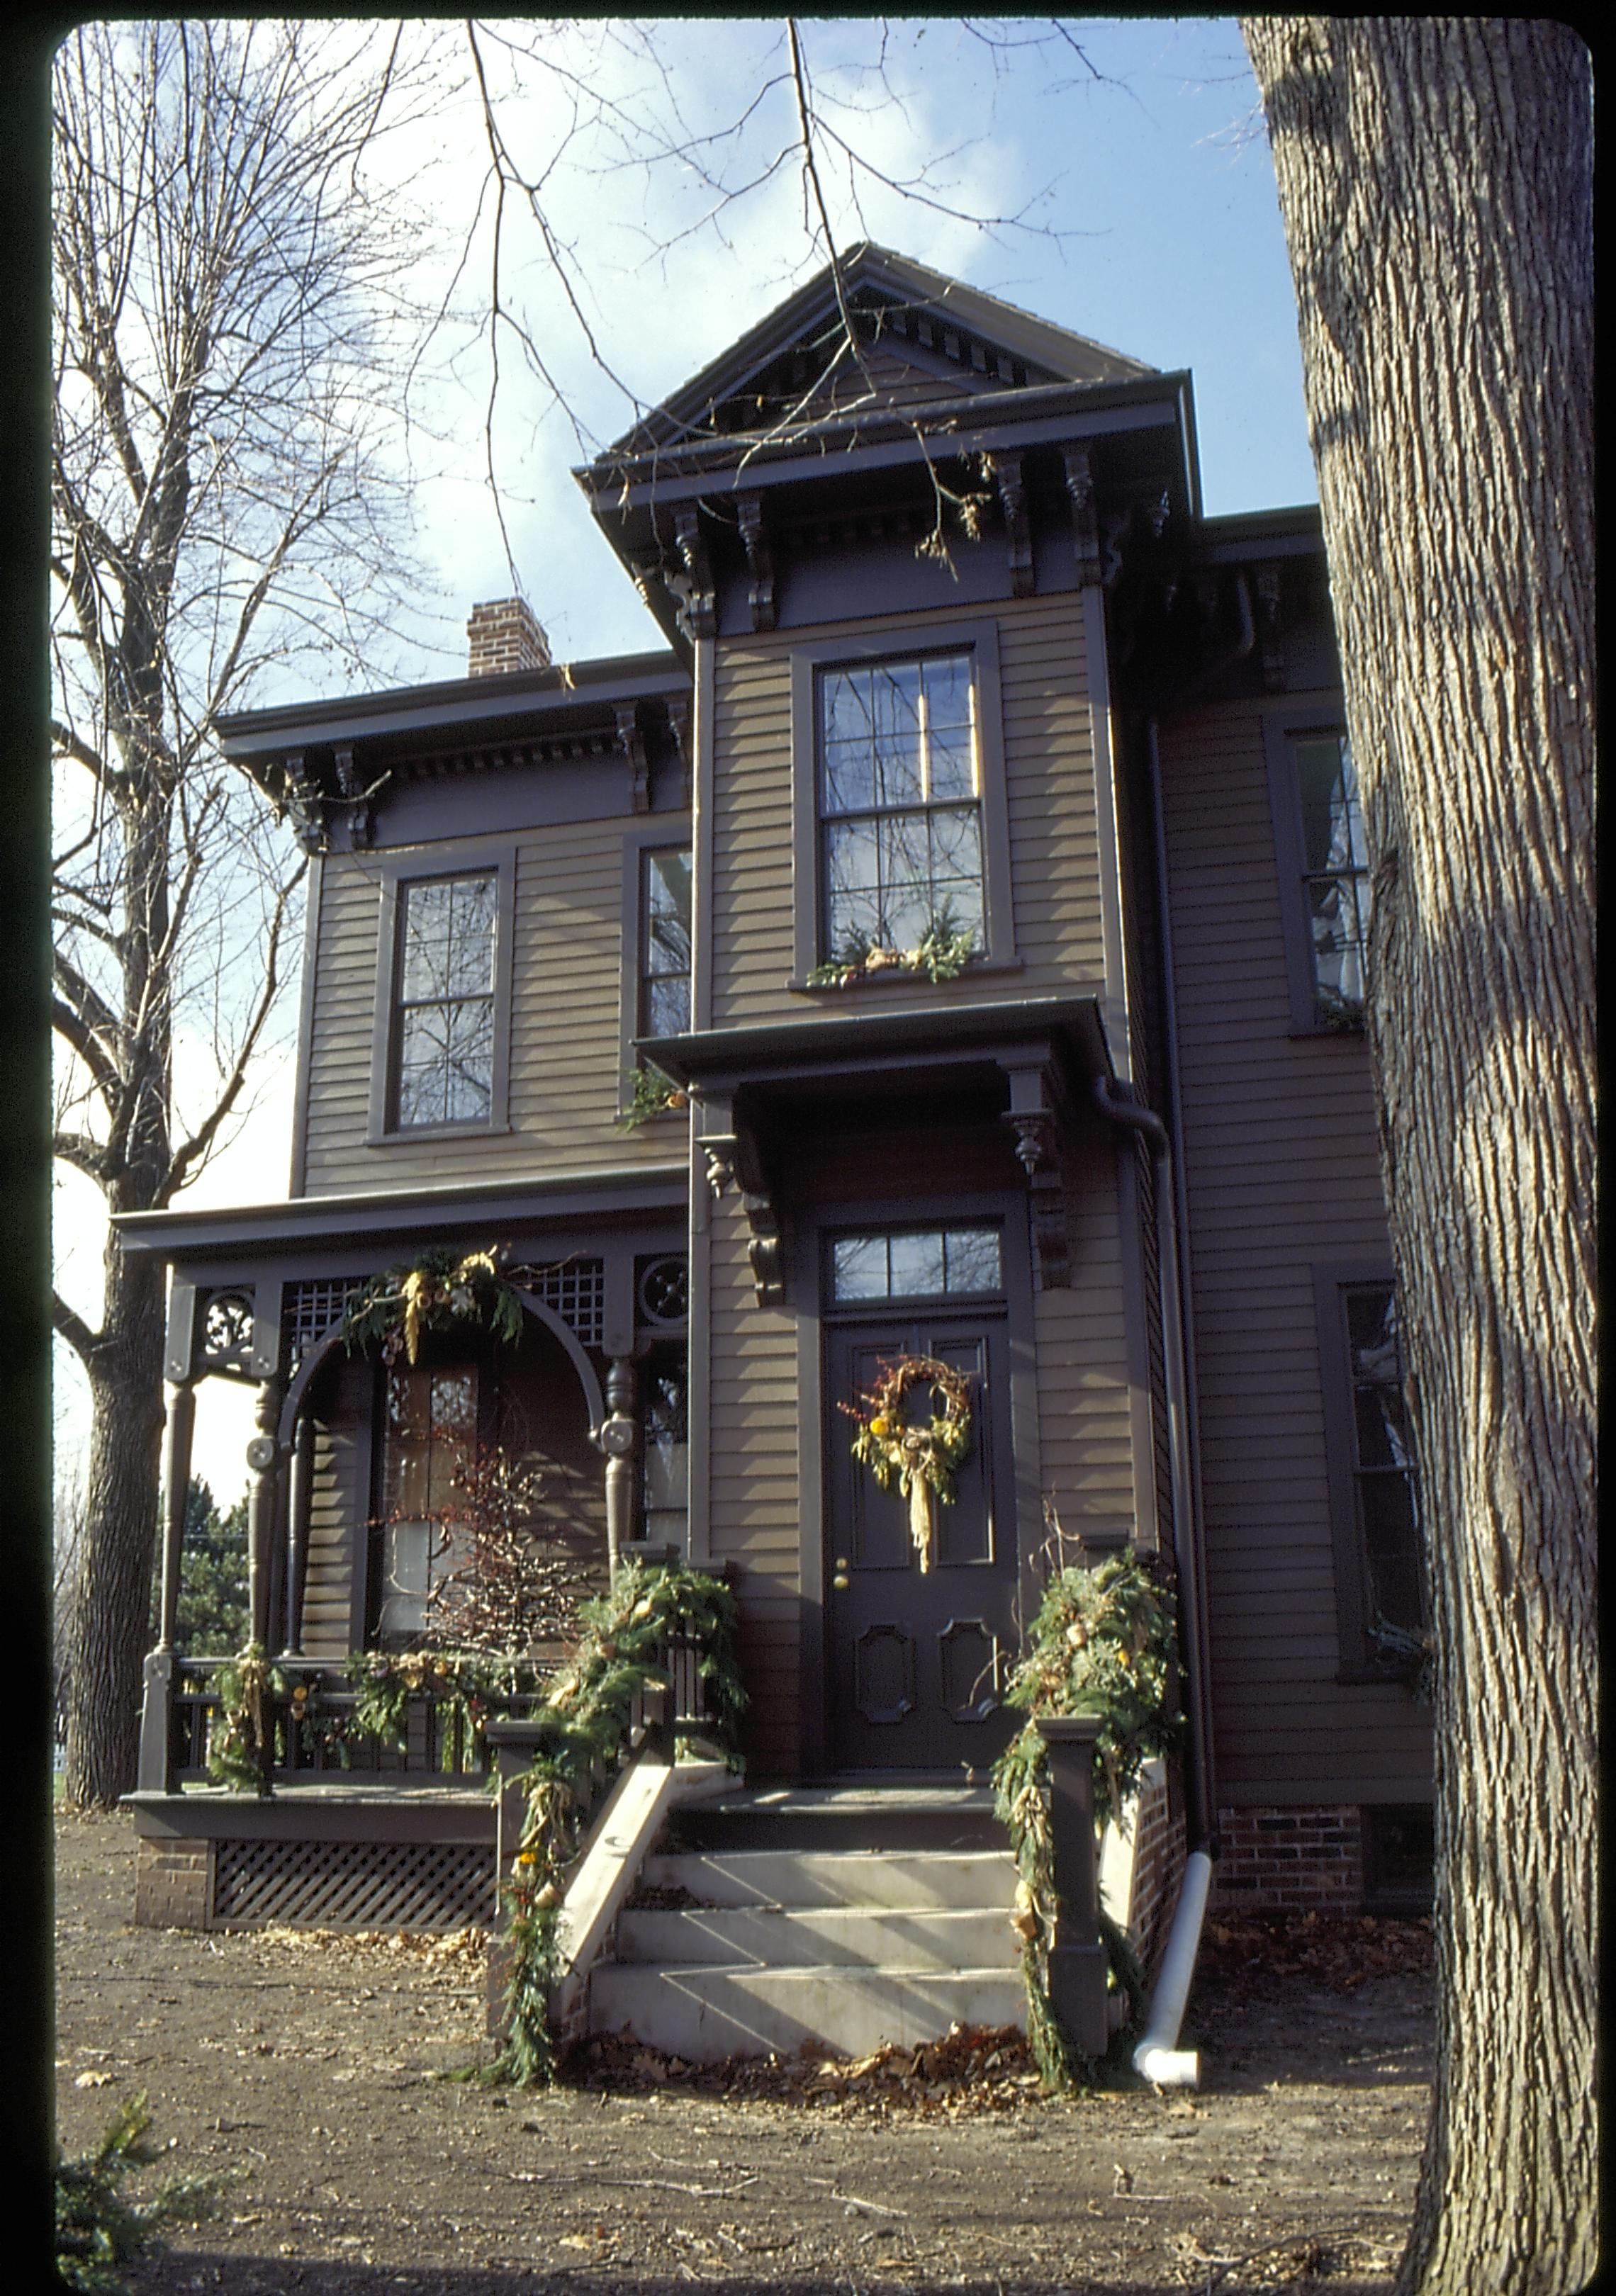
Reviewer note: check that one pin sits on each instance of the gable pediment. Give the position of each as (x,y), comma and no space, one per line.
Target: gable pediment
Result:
(919,339)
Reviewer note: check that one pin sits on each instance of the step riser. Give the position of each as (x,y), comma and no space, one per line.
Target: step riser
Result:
(829,1936)
(704,2014)
(967,1881)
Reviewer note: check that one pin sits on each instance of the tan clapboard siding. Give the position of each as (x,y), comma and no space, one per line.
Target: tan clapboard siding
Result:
(1084,1429)
(754,1490)
(1282,1172)
(339,1507)
(567,976)
(1049,803)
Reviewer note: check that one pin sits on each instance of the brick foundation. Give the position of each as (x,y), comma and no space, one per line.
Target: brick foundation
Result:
(1141,1873)
(1274,1861)
(171,1884)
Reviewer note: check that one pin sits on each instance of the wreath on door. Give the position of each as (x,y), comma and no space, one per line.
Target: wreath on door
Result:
(916,1460)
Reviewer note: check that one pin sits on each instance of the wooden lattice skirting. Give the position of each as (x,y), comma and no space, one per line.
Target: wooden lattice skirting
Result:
(355,1885)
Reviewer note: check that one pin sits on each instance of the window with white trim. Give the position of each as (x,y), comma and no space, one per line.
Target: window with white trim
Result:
(899,802)
(444,1004)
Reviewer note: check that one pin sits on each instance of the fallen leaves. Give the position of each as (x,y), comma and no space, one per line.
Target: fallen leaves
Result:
(1336,1950)
(973,2068)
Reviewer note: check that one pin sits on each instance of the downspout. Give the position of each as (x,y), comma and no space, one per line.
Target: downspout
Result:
(1157,2056)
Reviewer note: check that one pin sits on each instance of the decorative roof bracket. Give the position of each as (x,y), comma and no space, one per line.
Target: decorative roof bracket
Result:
(1034,1116)
(760,561)
(730,1153)
(678,726)
(1272,644)
(358,810)
(631,741)
(1013,501)
(694,589)
(1085,516)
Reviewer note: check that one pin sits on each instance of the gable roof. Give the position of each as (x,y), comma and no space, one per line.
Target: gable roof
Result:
(926,337)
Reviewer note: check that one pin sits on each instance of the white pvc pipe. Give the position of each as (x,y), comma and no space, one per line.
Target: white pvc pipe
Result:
(1158,2055)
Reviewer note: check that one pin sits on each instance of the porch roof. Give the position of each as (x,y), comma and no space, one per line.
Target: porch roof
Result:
(625,1193)
(898,1050)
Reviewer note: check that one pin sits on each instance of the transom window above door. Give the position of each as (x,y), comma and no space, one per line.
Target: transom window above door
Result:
(936,1263)
(899,793)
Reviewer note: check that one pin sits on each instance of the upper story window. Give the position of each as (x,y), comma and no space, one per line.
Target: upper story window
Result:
(1323,872)
(1335,874)
(900,829)
(442,1027)
(664,942)
(899,804)
(1380,1573)
(446,1001)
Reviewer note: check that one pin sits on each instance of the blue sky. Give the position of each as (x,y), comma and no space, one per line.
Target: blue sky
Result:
(1148,222)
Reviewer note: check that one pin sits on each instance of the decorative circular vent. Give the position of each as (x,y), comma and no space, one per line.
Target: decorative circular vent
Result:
(665,1290)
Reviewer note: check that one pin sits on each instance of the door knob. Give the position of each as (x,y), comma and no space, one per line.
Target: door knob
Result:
(841,1582)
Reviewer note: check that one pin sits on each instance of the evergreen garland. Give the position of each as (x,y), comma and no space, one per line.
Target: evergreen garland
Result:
(241,1744)
(468,1685)
(651,1093)
(434,1293)
(1103,1643)
(584,1723)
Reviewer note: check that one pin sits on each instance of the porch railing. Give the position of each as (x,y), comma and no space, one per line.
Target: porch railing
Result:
(182,1706)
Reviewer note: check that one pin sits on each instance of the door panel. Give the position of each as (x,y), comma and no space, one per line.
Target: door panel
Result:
(917,1660)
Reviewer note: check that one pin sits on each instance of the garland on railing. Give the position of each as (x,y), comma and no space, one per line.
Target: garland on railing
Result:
(584,1722)
(467,1686)
(1103,1643)
(239,1743)
(441,1288)
(920,1460)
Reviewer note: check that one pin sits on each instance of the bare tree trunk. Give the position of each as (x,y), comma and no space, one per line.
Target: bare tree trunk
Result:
(1435,179)
(112,1588)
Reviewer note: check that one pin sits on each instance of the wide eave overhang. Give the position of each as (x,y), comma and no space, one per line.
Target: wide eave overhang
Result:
(314,1223)
(620,483)
(888,1053)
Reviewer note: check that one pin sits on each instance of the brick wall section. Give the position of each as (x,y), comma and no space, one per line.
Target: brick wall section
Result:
(1159,1848)
(171,1884)
(503,635)
(1283,1860)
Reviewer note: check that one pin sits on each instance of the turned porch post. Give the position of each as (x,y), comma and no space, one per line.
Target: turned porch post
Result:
(264,1458)
(298,1504)
(177,1491)
(1078,1960)
(618,1439)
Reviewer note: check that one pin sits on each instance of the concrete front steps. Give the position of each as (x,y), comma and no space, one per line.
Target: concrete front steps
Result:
(838,1917)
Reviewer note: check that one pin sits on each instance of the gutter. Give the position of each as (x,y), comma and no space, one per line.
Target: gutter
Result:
(1157,2056)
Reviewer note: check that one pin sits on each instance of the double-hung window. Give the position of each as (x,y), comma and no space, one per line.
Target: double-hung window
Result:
(442,1024)
(1380,1573)
(1323,872)
(428,1432)
(899,804)
(664,942)
(900,829)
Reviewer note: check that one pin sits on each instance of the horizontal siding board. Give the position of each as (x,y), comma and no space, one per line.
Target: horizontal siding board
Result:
(1282,1170)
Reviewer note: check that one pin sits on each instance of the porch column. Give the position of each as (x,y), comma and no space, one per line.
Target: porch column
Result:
(299,1502)
(177,1489)
(1077,1961)
(619,1439)
(264,1458)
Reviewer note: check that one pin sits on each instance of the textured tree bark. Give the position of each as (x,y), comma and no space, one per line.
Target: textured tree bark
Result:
(1435,180)
(112,1591)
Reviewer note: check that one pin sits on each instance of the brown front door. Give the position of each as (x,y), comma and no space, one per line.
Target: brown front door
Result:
(917,1660)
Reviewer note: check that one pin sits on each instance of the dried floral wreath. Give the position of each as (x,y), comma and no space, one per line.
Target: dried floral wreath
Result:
(919,1461)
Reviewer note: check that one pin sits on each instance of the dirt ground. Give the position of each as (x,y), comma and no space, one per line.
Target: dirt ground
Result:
(312,2072)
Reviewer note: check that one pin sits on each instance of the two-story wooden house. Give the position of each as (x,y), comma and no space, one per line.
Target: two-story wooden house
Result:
(980,858)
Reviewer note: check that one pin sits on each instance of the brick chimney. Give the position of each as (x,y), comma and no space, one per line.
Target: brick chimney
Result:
(505,636)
